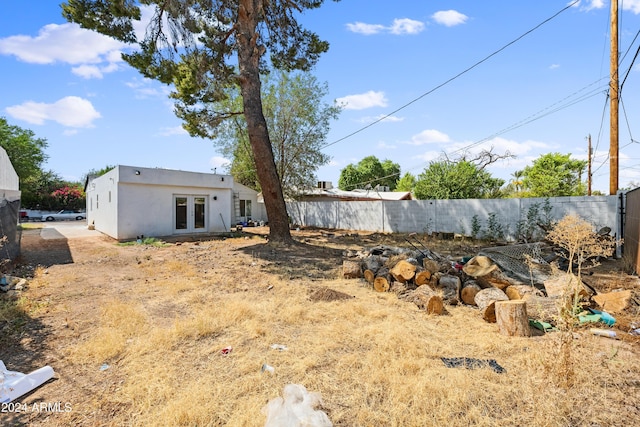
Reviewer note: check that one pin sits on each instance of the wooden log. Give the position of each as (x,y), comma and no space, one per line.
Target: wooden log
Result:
(450,286)
(369,276)
(613,302)
(512,318)
(382,282)
(565,285)
(373,263)
(496,279)
(422,278)
(430,265)
(351,269)
(515,292)
(486,299)
(468,292)
(427,299)
(543,308)
(403,271)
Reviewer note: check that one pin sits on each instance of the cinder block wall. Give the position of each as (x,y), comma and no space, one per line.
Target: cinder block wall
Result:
(450,216)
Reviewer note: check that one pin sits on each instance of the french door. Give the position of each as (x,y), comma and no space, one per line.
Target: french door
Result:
(190,213)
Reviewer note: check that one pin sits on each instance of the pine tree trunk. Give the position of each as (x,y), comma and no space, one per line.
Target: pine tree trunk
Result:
(249,54)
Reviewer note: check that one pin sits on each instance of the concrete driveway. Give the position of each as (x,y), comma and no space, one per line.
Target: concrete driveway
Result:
(67,230)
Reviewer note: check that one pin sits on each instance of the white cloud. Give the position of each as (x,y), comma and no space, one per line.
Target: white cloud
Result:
(366,29)
(449,18)
(429,136)
(63,43)
(554,66)
(70,111)
(218,162)
(383,145)
(362,101)
(406,26)
(588,5)
(399,26)
(172,131)
(428,156)
(87,71)
(147,88)
(632,5)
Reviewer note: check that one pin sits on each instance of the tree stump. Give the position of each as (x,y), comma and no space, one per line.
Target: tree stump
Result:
(512,319)
(351,269)
(403,271)
(426,299)
(486,299)
(468,292)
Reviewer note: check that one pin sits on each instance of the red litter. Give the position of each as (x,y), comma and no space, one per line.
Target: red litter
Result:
(226,350)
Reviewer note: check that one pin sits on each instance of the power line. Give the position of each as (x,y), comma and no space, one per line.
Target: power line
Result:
(486,58)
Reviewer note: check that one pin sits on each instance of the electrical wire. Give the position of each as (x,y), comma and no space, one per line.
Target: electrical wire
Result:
(486,58)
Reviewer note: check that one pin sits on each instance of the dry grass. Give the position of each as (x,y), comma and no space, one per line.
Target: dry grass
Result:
(374,359)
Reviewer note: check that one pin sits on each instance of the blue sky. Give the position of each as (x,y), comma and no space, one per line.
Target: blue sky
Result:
(544,93)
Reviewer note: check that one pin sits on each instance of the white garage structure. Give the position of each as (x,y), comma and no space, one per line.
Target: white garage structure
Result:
(128,201)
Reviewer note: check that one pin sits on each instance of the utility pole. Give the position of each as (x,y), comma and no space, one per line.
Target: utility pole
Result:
(614,102)
(589,167)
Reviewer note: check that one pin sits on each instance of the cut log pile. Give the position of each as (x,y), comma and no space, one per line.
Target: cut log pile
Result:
(432,282)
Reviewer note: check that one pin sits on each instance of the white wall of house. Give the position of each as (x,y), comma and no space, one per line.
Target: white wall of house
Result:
(244,197)
(9,181)
(130,201)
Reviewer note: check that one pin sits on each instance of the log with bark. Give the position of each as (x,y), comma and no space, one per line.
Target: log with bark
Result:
(382,282)
(543,308)
(516,292)
(565,285)
(512,318)
(468,292)
(426,299)
(351,269)
(369,276)
(422,278)
(486,299)
(403,271)
(450,286)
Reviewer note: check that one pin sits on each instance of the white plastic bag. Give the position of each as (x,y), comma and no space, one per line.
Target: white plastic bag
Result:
(296,409)
(15,384)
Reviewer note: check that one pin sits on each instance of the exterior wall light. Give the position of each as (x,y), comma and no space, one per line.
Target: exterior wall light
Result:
(137,172)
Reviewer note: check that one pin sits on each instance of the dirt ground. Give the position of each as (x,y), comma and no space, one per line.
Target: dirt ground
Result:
(76,278)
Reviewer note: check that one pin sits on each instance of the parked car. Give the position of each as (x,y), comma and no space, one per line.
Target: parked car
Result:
(64,215)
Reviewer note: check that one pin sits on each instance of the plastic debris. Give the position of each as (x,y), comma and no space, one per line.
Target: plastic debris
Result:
(226,350)
(267,368)
(470,363)
(543,326)
(635,332)
(279,347)
(296,408)
(604,333)
(15,384)
(605,317)
(104,367)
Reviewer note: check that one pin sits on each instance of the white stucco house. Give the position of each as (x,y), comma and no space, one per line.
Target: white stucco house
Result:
(129,201)
(9,207)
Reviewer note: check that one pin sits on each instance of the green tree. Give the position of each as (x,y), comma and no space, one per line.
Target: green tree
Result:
(462,179)
(369,173)
(41,187)
(204,47)
(298,122)
(27,155)
(406,183)
(553,175)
